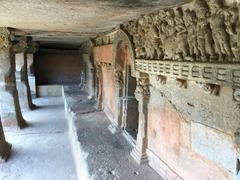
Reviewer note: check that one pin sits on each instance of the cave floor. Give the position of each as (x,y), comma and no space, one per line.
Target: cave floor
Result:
(41,151)
(105,152)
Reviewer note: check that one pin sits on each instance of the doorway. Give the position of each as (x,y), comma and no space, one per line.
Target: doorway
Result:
(128,105)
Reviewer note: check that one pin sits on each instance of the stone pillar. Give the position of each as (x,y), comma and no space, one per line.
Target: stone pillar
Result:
(142,95)
(99,86)
(89,78)
(5,147)
(9,102)
(119,101)
(23,87)
(31,76)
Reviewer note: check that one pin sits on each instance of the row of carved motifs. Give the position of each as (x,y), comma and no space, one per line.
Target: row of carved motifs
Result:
(204,30)
(229,76)
(209,72)
(212,89)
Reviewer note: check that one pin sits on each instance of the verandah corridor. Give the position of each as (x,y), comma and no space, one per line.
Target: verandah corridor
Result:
(151,89)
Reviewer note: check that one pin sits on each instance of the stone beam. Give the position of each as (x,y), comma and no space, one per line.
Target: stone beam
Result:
(9,102)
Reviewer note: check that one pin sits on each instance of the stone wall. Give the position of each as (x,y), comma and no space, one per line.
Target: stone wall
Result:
(109,94)
(187,64)
(103,53)
(57,68)
(191,54)
(103,56)
(190,147)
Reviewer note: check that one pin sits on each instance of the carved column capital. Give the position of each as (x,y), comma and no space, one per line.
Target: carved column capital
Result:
(32,47)
(21,46)
(86,47)
(142,91)
(6,38)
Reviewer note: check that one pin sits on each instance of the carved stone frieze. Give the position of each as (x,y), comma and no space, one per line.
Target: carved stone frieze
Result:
(212,73)
(207,31)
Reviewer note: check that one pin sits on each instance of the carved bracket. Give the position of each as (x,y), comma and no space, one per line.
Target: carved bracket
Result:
(182,83)
(212,89)
(161,79)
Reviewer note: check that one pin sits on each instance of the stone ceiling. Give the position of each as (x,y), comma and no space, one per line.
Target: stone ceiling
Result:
(73,21)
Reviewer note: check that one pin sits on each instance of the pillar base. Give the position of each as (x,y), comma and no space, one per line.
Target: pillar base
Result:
(33,107)
(6,152)
(22,124)
(139,157)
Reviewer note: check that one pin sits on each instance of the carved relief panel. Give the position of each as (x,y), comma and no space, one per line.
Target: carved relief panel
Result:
(207,31)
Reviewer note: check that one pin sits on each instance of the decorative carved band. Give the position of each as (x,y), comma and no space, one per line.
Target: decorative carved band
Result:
(202,72)
(104,39)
